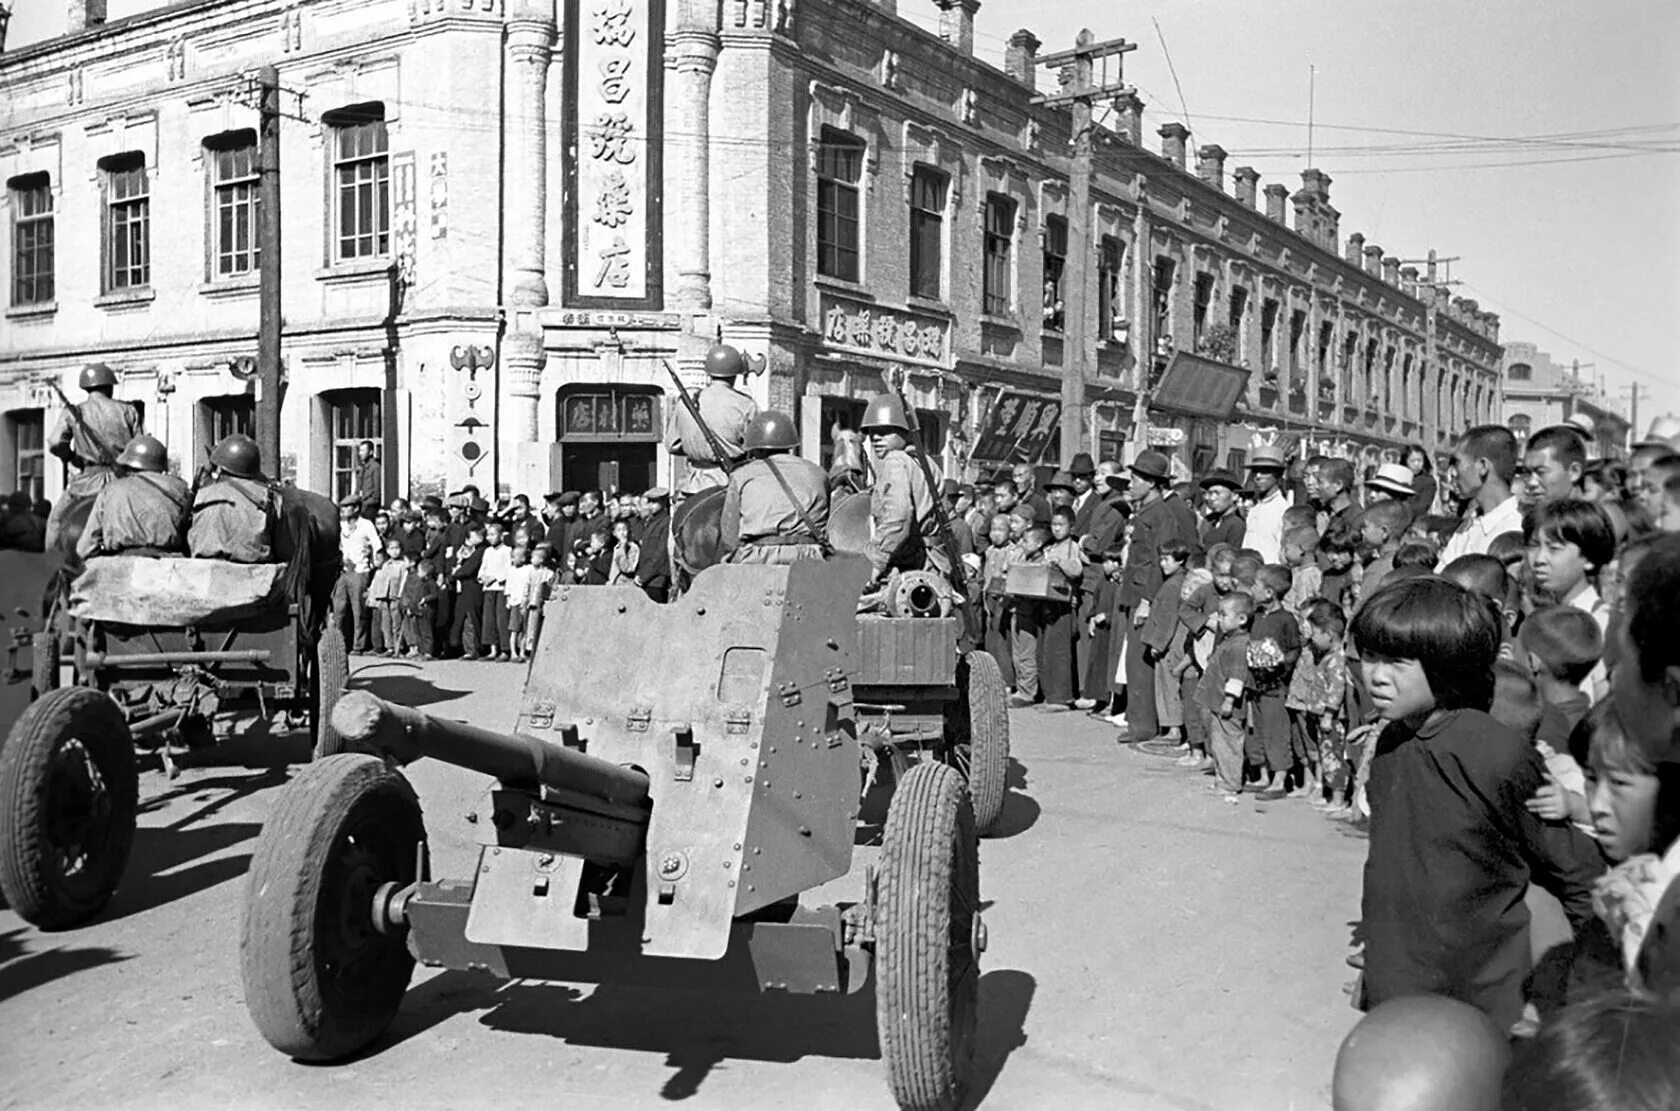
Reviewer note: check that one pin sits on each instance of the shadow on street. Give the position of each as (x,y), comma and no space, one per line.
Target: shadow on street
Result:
(21,970)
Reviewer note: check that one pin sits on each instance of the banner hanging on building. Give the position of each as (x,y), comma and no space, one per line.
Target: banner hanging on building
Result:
(614,60)
(1018,428)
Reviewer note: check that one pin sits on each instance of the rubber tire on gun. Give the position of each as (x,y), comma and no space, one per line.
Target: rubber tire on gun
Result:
(926,967)
(50,791)
(321,982)
(332,675)
(979,746)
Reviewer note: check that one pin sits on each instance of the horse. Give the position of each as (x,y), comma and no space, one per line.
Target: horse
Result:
(697,533)
(850,472)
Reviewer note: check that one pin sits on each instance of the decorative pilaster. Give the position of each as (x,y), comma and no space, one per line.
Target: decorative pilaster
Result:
(694,50)
(530,43)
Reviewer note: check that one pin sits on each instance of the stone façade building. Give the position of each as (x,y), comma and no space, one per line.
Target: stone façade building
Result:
(503,219)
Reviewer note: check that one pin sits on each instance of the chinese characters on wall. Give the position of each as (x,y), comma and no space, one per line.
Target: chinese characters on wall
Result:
(614,73)
(897,335)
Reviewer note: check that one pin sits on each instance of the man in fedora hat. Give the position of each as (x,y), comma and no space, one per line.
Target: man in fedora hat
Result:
(1060,490)
(1264,532)
(1153,524)
(1223,523)
(1392,482)
(1083,473)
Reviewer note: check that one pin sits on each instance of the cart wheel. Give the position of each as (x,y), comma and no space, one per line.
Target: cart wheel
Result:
(926,929)
(321,981)
(44,673)
(332,673)
(69,791)
(979,737)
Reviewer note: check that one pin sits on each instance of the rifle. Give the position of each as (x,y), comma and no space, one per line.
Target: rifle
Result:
(728,463)
(104,449)
(947,539)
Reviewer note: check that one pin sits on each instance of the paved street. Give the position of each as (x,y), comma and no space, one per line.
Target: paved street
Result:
(1151,947)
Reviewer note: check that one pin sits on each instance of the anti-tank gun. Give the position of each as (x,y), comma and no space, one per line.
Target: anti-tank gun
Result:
(677,777)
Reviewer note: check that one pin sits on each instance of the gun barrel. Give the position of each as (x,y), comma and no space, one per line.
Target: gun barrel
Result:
(407,734)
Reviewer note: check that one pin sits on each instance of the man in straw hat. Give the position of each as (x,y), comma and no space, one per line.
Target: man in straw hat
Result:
(1392,482)
(1265,521)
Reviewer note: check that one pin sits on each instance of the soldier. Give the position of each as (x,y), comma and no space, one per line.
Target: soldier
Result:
(233,513)
(725,410)
(901,511)
(141,511)
(776,510)
(92,434)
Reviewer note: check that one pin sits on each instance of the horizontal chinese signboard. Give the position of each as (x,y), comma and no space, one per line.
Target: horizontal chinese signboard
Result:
(885,333)
(614,66)
(1017,429)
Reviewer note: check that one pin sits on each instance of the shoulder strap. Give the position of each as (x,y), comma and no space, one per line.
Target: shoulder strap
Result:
(818,536)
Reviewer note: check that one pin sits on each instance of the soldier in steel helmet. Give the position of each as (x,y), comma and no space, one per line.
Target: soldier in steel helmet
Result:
(725,409)
(91,435)
(901,509)
(233,513)
(776,510)
(143,510)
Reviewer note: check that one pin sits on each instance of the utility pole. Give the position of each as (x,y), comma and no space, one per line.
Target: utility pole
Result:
(1078,93)
(268,326)
(1634,389)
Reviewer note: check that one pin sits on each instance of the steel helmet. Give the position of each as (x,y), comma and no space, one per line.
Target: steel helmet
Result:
(771,431)
(724,361)
(885,411)
(238,454)
(145,453)
(95,375)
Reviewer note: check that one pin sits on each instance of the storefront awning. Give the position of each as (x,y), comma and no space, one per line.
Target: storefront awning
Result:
(1199,387)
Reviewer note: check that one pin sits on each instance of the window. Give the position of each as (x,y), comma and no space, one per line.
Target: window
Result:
(29,457)
(1268,335)
(1519,372)
(928,188)
(1388,380)
(1161,292)
(1521,423)
(1350,345)
(1370,392)
(1055,268)
(1238,308)
(224,416)
(1321,357)
(1203,298)
(353,416)
(361,182)
(839,167)
(233,203)
(1297,334)
(999,275)
(1109,301)
(128,220)
(32,240)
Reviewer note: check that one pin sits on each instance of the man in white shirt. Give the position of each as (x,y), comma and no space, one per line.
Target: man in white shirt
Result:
(1485,462)
(358,540)
(1265,521)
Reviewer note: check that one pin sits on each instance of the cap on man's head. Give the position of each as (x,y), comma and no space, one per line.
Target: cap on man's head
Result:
(1221,478)
(1152,465)
(569,497)
(1083,466)
(1393,478)
(658,493)
(1266,457)
(350,501)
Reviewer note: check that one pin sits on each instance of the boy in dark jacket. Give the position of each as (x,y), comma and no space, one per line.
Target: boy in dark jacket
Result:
(468,595)
(1219,695)
(419,607)
(1161,635)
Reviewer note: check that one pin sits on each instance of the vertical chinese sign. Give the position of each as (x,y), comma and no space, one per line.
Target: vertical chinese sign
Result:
(614,129)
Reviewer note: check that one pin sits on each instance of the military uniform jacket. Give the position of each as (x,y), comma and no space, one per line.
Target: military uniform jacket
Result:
(230,520)
(726,411)
(143,510)
(901,515)
(758,508)
(1152,526)
(97,432)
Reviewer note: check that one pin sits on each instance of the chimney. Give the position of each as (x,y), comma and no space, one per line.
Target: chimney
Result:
(1391,270)
(1317,183)
(1130,108)
(85,14)
(956,24)
(1020,57)
(1174,137)
(1373,260)
(1356,249)
(1277,201)
(1330,227)
(1210,165)
(1409,280)
(1246,181)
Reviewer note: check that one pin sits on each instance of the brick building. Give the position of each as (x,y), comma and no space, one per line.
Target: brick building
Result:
(503,218)
(1540,393)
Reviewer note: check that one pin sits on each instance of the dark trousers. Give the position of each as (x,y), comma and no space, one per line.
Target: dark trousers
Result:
(1055,652)
(1142,722)
(493,632)
(440,624)
(420,631)
(1195,724)
(463,631)
(1098,668)
(998,622)
(1268,732)
(350,593)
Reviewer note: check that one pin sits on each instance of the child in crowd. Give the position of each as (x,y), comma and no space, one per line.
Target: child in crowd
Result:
(1316,703)
(468,594)
(1244,569)
(1569,541)
(1024,643)
(1163,642)
(1056,620)
(1452,845)
(1485,576)
(1184,671)
(1382,528)
(492,577)
(385,597)
(419,602)
(543,579)
(1220,694)
(626,555)
(1298,516)
(1510,549)
(1114,575)
(1339,578)
(1274,647)
(1300,555)
(516,588)
(994,568)
(595,568)
(1417,553)
(1562,647)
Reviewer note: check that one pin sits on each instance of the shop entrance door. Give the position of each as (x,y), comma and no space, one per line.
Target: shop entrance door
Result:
(609,437)
(628,468)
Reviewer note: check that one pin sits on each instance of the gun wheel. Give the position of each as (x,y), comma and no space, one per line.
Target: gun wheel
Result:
(332,675)
(978,737)
(321,980)
(926,929)
(69,792)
